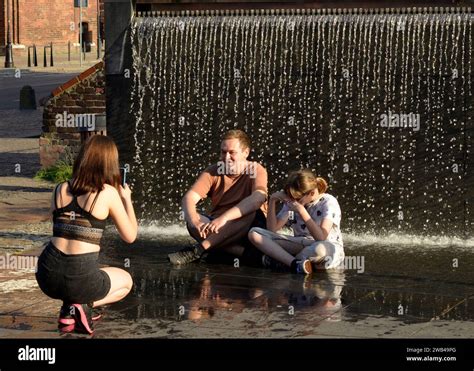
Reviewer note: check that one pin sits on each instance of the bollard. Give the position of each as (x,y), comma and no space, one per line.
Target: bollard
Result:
(35,56)
(27,98)
(35,60)
(44,57)
(51,61)
(51,56)
(29,58)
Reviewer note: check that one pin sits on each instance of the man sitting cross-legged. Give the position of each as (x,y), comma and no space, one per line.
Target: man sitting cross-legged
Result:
(238,192)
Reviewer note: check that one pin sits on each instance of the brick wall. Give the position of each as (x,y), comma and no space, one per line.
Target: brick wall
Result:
(3,36)
(45,21)
(83,94)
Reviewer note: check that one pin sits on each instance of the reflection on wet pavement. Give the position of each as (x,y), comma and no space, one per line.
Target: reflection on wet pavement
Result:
(398,294)
(247,301)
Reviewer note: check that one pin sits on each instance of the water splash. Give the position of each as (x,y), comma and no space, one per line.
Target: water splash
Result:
(155,230)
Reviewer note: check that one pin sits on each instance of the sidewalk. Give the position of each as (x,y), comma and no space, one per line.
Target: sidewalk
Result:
(24,202)
(61,65)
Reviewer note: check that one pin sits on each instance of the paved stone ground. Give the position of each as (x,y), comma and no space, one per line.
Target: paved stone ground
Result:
(61,64)
(18,124)
(215,301)
(24,202)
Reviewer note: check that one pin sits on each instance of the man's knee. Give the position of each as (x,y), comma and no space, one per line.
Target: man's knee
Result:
(191,229)
(246,221)
(194,232)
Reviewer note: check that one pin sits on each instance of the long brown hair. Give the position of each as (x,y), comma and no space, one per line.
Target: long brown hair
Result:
(303,181)
(96,164)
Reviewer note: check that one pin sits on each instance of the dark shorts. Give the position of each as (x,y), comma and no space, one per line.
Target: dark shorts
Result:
(71,278)
(251,256)
(259,221)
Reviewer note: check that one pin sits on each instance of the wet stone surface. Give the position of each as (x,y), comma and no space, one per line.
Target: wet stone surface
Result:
(400,293)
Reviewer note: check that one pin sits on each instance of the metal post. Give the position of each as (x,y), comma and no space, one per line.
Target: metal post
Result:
(80,32)
(69,51)
(51,55)
(45,64)
(35,57)
(98,30)
(9,50)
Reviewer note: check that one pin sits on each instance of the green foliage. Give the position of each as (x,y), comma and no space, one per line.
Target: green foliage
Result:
(60,172)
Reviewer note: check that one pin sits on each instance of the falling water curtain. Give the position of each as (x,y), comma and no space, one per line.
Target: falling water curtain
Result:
(377,102)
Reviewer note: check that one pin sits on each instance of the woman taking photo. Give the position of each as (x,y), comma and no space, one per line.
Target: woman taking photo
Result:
(68,268)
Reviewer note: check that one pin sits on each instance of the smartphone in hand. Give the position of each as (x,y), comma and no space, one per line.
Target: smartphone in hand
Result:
(123,175)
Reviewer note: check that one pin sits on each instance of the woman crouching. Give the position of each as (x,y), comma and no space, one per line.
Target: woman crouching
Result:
(68,268)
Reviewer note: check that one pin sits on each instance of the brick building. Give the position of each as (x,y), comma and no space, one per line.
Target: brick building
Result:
(41,22)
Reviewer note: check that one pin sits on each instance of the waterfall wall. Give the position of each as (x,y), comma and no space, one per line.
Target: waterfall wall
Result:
(378,103)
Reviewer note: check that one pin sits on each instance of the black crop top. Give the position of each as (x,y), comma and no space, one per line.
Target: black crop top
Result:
(75,223)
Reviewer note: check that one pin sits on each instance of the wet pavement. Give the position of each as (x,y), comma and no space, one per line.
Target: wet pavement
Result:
(399,292)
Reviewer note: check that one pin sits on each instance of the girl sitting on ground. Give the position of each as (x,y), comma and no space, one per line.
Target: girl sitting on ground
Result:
(315,218)
(68,268)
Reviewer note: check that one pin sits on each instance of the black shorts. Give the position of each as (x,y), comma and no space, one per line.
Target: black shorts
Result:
(259,221)
(74,279)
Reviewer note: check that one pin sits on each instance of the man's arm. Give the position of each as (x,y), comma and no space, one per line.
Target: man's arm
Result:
(198,191)
(248,205)
(189,202)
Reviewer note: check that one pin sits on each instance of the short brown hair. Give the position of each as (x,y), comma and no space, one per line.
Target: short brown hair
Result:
(96,164)
(243,138)
(303,181)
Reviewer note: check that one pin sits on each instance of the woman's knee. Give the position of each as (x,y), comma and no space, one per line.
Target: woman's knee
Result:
(120,278)
(321,250)
(128,280)
(125,285)
(316,251)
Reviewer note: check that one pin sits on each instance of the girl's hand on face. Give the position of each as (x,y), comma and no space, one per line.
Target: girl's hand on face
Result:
(295,206)
(307,198)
